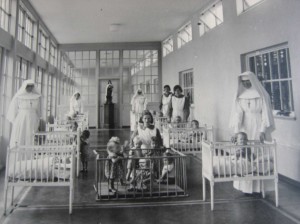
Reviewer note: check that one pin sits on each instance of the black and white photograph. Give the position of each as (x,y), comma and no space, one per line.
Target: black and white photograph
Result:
(149,112)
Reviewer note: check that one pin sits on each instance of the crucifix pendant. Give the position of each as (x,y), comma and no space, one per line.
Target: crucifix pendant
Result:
(30,103)
(248,103)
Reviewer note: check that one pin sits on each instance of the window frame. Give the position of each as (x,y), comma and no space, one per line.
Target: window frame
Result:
(5,15)
(168,42)
(183,82)
(184,29)
(277,113)
(207,28)
(242,8)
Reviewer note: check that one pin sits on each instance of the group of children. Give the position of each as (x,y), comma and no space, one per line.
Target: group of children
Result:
(143,164)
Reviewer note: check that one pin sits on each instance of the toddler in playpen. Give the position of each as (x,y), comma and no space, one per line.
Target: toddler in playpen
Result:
(114,164)
(167,175)
(135,151)
(144,175)
(84,150)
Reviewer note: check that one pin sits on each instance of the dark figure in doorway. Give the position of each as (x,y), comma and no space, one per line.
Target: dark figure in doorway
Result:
(109,90)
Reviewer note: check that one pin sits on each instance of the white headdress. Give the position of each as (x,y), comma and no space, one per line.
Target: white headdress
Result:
(21,94)
(257,86)
(136,95)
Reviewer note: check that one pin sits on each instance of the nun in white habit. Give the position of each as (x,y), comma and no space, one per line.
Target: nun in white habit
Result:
(252,114)
(24,114)
(139,103)
(75,105)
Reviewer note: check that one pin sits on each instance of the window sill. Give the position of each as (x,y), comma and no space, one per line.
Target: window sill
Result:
(284,117)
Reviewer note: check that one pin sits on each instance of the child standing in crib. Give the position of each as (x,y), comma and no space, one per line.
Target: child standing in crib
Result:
(195,124)
(114,164)
(167,175)
(135,151)
(84,150)
(197,135)
(242,140)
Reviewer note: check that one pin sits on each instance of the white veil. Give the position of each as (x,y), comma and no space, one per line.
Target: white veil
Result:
(21,94)
(136,94)
(267,107)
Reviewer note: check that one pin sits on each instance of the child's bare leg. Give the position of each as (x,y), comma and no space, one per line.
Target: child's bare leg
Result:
(128,174)
(112,186)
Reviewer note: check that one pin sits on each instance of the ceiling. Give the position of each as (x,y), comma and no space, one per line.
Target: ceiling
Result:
(88,21)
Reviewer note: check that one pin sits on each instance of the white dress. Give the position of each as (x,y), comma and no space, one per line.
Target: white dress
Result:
(26,121)
(146,134)
(75,107)
(250,119)
(139,104)
(178,106)
(165,104)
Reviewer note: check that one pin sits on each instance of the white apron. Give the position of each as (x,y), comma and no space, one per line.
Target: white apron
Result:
(165,104)
(178,105)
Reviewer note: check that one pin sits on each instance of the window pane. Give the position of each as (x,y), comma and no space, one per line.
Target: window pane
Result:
(274,65)
(283,63)
(266,66)
(276,96)
(286,99)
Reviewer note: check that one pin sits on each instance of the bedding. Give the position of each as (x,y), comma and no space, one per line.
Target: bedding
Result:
(41,168)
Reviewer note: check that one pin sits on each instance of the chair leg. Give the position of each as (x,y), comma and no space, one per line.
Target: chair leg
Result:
(12,195)
(5,197)
(71,200)
(276,192)
(212,195)
(203,188)
(263,189)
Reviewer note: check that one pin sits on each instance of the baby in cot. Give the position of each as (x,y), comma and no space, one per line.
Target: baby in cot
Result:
(242,140)
(114,163)
(167,175)
(196,135)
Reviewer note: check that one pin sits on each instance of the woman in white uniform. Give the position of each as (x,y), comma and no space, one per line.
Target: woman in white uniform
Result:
(24,114)
(138,105)
(252,114)
(165,101)
(147,130)
(75,105)
(179,105)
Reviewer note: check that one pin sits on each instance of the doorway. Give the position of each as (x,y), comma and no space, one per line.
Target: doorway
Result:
(115,99)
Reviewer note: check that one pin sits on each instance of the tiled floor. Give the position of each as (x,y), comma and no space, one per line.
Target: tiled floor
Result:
(50,205)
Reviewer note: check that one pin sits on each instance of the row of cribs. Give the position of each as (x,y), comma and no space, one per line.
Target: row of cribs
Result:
(50,161)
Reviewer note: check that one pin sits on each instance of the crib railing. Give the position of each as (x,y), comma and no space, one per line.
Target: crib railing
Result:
(39,166)
(61,138)
(58,127)
(225,161)
(188,140)
(160,122)
(174,185)
(81,119)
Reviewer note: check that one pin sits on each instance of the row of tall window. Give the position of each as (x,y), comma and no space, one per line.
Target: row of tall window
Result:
(207,20)
(50,80)
(27,29)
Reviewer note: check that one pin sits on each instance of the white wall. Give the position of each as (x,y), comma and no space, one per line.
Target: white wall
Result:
(216,60)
